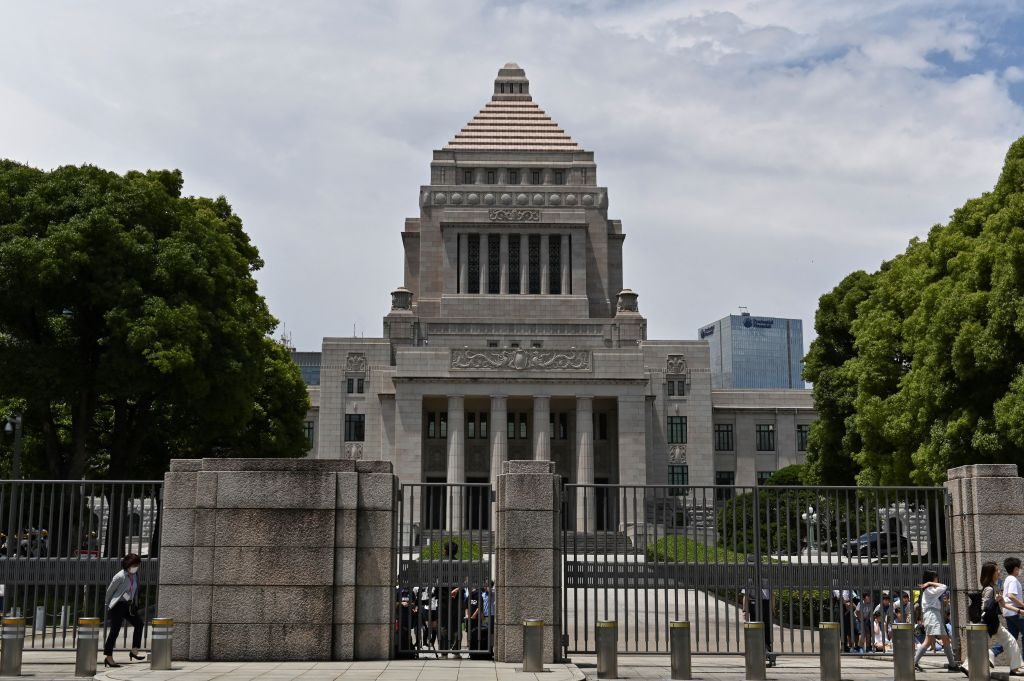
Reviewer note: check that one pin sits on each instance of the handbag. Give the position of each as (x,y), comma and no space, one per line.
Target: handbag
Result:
(990,616)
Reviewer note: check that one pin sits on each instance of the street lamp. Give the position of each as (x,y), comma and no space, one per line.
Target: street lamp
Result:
(13,425)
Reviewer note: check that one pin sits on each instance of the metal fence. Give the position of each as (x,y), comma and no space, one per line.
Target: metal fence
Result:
(444,596)
(788,556)
(61,543)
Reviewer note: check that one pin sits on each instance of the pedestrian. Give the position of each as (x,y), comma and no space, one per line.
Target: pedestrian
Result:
(1013,598)
(887,615)
(476,625)
(991,599)
(932,620)
(905,610)
(865,610)
(750,614)
(878,637)
(405,615)
(488,596)
(122,603)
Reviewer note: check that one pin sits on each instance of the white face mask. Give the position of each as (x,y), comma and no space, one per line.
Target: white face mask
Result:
(133,570)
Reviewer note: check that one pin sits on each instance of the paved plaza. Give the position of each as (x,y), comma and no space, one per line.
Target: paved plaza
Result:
(54,666)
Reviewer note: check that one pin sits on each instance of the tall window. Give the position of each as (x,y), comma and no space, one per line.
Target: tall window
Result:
(483,426)
(535,176)
(473,259)
(802,431)
(559,426)
(602,425)
(762,476)
(431,425)
(554,264)
(534,263)
(523,427)
(513,177)
(493,264)
(559,177)
(355,427)
(727,478)
(467,177)
(678,474)
(443,425)
(511,426)
(307,430)
(360,385)
(490,177)
(350,385)
(677,430)
(723,437)
(765,436)
(513,263)
(671,386)
(470,426)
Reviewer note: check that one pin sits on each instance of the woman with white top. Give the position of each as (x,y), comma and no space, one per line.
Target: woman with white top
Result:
(122,603)
(991,601)
(933,621)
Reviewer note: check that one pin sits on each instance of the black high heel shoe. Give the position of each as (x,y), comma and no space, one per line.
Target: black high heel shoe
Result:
(136,657)
(109,662)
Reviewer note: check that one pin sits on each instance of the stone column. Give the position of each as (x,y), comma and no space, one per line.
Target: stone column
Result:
(499,435)
(529,557)
(566,259)
(463,264)
(503,257)
(456,460)
(632,448)
(987,524)
(585,507)
(544,265)
(541,428)
(524,264)
(485,242)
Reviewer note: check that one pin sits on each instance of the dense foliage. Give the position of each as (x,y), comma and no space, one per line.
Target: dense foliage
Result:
(131,328)
(919,367)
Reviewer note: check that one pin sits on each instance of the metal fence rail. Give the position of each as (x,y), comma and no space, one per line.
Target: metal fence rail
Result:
(61,543)
(791,557)
(444,597)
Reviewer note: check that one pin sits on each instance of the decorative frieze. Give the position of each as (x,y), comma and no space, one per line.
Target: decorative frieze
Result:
(353,450)
(518,359)
(675,364)
(497,329)
(355,362)
(513,215)
(677,454)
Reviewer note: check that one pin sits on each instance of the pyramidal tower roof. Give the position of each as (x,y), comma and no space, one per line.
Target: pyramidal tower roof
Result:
(511,121)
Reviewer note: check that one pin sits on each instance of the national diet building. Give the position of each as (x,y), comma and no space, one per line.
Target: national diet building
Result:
(514,337)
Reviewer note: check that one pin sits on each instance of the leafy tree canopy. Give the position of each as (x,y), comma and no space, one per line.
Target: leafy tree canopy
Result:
(919,367)
(131,328)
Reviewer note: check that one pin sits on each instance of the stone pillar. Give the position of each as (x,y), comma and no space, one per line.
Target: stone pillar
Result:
(463,264)
(987,524)
(524,176)
(529,558)
(456,459)
(566,259)
(585,507)
(544,265)
(499,435)
(632,448)
(278,559)
(541,428)
(503,258)
(485,242)
(524,264)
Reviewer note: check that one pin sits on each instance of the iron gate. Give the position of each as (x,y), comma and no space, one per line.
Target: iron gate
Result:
(62,541)
(444,589)
(789,556)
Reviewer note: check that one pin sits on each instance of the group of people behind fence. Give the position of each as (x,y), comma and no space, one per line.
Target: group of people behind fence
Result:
(32,543)
(432,620)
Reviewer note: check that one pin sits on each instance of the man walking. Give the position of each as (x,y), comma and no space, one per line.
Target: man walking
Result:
(1013,597)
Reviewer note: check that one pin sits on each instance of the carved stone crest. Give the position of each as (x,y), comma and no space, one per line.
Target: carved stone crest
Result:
(513,215)
(518,359)
(676,364)
(353,450)
(677,454)
(355,361)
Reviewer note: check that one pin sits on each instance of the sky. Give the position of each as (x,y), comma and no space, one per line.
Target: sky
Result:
(756,151)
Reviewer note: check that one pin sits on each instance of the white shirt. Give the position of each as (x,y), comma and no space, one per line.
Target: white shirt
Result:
(1011,586)
(931,598)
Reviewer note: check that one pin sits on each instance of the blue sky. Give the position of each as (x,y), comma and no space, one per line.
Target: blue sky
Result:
(755,151)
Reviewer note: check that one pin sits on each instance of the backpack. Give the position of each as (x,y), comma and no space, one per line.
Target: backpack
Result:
(990,616)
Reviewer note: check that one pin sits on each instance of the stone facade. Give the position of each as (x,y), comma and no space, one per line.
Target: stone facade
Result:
(267,559)
(513,328)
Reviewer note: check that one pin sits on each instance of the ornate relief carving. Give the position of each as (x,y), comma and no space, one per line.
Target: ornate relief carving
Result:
(469,328)
(677,454)
(513,215)
(518,359)
(353,450)
(676,364)
(356,361)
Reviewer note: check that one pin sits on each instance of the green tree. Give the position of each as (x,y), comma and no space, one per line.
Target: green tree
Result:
(131,328)
(920,367)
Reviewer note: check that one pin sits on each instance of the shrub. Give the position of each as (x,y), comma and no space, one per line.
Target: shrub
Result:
(464,549)
(675,549)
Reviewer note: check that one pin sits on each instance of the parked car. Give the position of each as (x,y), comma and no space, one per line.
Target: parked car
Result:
(878,545)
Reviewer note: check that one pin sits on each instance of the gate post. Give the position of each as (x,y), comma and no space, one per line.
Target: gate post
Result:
(986,522)
(528,554)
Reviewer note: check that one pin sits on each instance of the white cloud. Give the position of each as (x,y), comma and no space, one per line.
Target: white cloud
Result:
(756,152)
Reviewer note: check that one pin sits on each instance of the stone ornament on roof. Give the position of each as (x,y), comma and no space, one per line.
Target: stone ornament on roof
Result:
(518,359)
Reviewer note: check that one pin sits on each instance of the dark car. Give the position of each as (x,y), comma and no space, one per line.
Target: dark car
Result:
(878,545)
